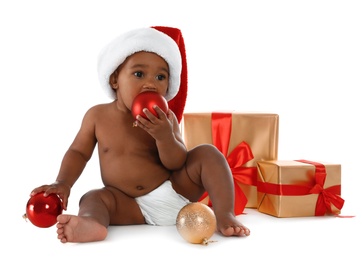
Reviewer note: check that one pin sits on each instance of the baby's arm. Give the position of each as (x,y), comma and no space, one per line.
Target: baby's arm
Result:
(79,152)
(166,131)
(74,161)
(172,151)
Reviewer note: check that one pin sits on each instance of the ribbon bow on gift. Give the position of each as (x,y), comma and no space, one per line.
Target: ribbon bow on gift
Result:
(221,132)
(326,197)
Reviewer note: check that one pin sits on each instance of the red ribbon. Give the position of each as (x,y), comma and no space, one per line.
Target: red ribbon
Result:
(221,132)
(327,196)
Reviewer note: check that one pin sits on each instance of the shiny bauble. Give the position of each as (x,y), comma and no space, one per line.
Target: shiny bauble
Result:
(196,223)
(43,211)
(148,99)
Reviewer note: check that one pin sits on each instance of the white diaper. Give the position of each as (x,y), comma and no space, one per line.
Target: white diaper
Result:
(161,206)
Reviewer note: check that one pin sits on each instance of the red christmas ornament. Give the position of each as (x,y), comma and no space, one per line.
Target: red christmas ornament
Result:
(43,211)
(147,100)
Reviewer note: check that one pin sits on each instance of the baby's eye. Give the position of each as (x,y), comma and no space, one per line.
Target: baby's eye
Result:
(138,74)
(160,77)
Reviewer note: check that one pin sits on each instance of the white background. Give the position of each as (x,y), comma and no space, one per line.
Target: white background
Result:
(299,59)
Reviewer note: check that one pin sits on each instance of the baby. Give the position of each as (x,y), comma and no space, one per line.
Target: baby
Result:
(147,172)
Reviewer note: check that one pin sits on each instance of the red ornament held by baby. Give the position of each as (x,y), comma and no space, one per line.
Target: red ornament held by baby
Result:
(148,99)
(43,211)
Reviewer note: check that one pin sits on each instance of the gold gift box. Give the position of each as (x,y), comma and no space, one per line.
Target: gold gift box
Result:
(292,189)
(259,130)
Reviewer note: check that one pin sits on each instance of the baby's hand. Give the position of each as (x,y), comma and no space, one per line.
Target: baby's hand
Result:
(158,127)
(59,188)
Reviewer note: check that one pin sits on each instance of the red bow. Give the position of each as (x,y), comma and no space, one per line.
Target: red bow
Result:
(326,197)
(221,132)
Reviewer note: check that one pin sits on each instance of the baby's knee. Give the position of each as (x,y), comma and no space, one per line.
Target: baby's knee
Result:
(207,151)
(206,148)
(94,195)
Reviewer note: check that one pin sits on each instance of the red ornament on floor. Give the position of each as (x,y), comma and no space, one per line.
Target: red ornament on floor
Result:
(43,211)
(147,100)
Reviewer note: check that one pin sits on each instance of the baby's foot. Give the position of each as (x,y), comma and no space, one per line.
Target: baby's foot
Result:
(228,225)
(79,229)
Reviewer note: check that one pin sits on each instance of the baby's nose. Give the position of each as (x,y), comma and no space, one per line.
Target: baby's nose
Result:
(149,86)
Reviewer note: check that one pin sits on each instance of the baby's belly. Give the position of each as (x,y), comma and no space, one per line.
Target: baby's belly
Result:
(134,181)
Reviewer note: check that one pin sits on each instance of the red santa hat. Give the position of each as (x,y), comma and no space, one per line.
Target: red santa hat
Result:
(167,42)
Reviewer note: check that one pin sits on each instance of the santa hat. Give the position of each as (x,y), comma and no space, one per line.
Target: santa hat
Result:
(167,42)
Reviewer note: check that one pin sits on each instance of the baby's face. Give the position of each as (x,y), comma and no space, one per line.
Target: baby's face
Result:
(142,71)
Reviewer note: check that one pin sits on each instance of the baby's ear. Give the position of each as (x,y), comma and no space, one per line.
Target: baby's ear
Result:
(113,81)
(115,86)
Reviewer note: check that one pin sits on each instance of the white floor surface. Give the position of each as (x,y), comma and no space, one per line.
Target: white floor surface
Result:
(271,238)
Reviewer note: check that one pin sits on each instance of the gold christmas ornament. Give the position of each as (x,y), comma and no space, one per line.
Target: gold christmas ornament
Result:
(196,223)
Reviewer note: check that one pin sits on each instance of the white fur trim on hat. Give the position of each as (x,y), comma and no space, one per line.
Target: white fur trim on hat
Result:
(144,39)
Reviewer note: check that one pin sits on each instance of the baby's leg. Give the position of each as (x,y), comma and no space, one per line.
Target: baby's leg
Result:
(208,169)
(97,210)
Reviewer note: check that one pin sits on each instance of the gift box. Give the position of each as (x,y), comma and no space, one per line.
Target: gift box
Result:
(243,138)
(299,188)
